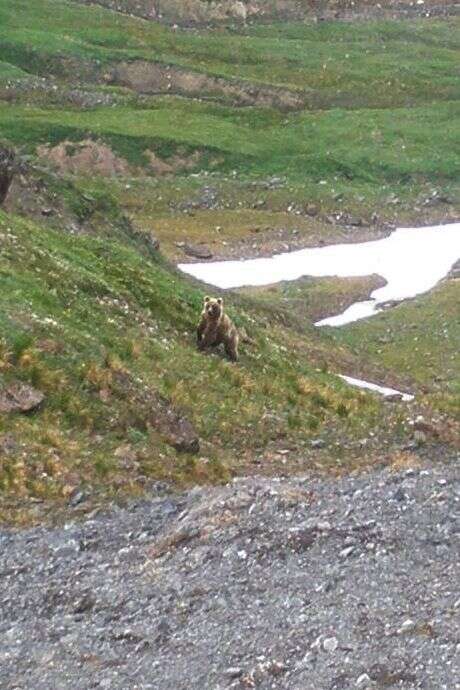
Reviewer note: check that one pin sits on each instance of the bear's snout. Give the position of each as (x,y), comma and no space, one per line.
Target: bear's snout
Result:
(213,310)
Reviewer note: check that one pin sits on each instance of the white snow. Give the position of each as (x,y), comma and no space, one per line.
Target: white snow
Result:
(406,397)
(411,260)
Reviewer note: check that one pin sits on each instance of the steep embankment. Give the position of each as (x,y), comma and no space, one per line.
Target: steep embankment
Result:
(101,327)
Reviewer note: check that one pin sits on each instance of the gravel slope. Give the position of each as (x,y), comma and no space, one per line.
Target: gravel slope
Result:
(302,584)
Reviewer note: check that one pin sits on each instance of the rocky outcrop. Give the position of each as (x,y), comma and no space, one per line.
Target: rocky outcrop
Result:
(6,171)
(19,397)
(197,251)
(202,12)
(155,78)
(186,12)
(158,414)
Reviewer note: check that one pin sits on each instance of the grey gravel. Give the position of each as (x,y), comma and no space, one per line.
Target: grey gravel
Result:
(243,586)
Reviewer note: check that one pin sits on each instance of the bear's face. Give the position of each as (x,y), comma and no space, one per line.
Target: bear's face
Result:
(213,307)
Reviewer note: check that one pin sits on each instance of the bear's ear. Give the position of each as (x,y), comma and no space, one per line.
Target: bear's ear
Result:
(207,299)
(220,300)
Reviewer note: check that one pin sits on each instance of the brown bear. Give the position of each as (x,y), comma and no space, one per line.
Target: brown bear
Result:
(216,327)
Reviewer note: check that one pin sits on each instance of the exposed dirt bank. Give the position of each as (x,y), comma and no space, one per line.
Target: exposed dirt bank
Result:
(196,12)
(154,78)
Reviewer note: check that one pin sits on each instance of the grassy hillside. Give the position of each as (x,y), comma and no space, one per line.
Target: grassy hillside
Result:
(420,338)
(258,139)
(363,141)
(94,325)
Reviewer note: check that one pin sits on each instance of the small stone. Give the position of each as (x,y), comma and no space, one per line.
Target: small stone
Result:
(419,437)
(86,603)
(363,681)
(20,397)
(69,548)
(347,551)
(330,644)
(276,668)
(394,397)
(234,672)
(400,495)
(77,496)
(406,627)
(317,443)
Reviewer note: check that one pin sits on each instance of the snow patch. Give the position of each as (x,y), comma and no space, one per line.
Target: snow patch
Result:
(383,390)
(411,260)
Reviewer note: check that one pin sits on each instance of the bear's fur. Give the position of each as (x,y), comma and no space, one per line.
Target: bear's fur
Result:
(216,328)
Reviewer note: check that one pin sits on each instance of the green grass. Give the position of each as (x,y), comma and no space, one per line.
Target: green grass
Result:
(374,91)
(76,311)
(421,339)
(378,63)
(312,299)
(91,317)
(10,72)
(395,147)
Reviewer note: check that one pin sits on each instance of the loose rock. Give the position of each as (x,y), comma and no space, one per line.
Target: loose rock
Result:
(112,599)
(20,397)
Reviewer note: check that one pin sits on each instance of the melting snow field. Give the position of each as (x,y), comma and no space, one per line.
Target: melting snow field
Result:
(406,397)
(411,260)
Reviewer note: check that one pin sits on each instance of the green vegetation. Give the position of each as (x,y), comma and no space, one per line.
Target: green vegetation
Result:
(312,299)
(392,63)
(373,92)
(8,71)
(376,147)
(97,320)
(92,325)
(421,339)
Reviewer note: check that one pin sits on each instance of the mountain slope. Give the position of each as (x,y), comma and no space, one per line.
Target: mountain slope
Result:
(111,159)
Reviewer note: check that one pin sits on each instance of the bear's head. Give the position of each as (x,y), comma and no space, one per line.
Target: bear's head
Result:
(213,307)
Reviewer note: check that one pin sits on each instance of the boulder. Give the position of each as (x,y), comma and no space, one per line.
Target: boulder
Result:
(19,397)
(198,251)
(175,429)
(394,397)
(6,171)
(160,415)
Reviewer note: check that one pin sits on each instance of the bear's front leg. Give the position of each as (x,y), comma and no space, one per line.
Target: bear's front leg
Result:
(231,347)
(200,333)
